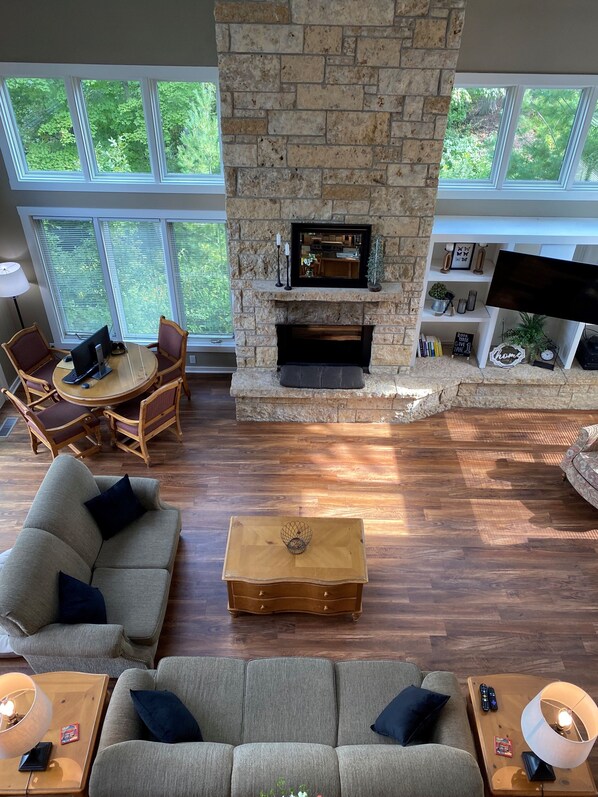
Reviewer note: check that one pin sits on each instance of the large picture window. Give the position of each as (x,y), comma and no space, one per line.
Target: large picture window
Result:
(111,128)
(525,135)
(126,272)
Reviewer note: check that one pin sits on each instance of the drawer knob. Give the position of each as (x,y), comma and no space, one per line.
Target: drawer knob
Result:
(262,607)
(325,594)
(325,608)
(261,593)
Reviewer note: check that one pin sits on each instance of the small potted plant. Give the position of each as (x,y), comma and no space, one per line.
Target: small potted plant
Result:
(375,271)
(529,333)
(441,297)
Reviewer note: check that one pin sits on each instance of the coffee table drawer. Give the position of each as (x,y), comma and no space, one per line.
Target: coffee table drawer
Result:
(294,604)
(292,589)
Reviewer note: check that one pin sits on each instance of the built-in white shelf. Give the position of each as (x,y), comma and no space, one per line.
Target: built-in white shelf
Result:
(479,314)
(460,275)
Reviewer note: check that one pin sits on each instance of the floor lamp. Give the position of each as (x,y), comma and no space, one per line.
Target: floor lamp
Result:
(13,283)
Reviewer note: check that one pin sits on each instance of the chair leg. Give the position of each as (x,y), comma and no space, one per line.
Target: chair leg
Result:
(186,387)
(144,452)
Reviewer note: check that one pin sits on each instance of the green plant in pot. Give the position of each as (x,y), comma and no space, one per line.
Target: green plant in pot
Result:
(529,333)
(441,297)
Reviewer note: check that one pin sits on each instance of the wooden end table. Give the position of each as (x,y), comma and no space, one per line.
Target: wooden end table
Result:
(506,776)
(76,697)
(263,577)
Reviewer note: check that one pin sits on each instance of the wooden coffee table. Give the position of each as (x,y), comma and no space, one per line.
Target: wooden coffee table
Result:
(506,776)
(76,697)
(263,577)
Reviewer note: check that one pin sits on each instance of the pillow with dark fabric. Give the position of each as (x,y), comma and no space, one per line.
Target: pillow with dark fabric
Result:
(79,602)
(411,715)
(165,716)
(115,508)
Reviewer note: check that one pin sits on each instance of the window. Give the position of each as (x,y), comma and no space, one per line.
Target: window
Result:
(126,272)
(521,135)
(111,128)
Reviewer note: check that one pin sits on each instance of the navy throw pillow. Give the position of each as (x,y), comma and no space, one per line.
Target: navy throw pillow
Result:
(165,716)
(411,714)
(79,602)
(115,508)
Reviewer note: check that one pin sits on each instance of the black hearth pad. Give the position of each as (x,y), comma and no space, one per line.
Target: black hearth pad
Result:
(321,376)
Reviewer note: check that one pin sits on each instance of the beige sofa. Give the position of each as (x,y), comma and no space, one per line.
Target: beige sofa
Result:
(306,720)
(132,569)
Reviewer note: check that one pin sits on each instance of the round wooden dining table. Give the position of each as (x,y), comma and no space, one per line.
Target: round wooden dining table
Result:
(132,374)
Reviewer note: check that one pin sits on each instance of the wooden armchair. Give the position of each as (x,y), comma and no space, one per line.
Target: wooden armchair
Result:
(34,361)
(171,351)
(59,425)
(139,420)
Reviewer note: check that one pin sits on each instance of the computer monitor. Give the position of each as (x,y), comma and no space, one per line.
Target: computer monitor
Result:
(85,359)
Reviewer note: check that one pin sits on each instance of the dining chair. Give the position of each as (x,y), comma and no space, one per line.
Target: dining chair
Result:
(59,425)
(34,360)
(133,424)
(171,351)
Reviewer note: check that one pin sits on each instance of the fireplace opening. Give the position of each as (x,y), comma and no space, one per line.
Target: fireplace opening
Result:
(325,344)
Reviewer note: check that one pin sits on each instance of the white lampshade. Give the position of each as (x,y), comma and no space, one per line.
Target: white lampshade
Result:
(13,281)
(567,748)
(34,709)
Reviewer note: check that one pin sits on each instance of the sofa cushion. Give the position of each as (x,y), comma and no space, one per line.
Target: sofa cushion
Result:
(364,688)
(135,599)
(212,688)
(79,602)
(410,715)
(150,541)
(59,507)
(115,508)
(146,769)
(165,716)
(586,464)
(257,767)
(420,771)
(290,700)
(29,581)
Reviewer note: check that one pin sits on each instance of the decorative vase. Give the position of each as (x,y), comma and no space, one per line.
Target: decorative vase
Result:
(374,287)
(439,305)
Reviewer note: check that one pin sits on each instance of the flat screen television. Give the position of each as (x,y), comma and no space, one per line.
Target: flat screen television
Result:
(546,286)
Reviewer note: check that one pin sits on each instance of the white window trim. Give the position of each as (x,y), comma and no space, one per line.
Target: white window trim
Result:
(89,179)
(498,187)
(28,216)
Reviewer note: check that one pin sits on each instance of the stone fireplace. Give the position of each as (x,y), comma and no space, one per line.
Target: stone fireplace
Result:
(332,110)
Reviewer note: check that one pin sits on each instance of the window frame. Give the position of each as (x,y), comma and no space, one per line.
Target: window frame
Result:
(498,187)
(90,178)
(30,215)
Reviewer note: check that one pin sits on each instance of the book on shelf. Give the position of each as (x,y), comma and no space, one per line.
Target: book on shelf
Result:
(429,346)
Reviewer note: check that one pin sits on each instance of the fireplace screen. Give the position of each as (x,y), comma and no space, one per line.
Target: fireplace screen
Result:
(330,255)
(325,344)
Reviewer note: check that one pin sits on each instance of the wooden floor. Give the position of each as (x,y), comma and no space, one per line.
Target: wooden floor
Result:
(481,560)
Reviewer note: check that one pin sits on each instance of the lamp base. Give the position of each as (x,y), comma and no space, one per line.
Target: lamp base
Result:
(36,760)
(536,769)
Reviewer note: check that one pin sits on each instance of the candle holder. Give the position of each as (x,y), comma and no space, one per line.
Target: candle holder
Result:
(278,283)
(481,257)
(288,287)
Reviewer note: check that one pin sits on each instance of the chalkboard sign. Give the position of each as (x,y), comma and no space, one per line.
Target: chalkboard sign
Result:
(462,345)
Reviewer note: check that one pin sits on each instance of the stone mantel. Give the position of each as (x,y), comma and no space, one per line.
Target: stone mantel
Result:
(264,288)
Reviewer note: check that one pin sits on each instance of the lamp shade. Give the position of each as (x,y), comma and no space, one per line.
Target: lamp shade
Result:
(562,744)
(13,281)
(25,714)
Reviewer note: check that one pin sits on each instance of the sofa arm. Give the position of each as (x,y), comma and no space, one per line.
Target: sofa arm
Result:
(587,440)
(88,641)
(122,723)
(452,728)
(147,490)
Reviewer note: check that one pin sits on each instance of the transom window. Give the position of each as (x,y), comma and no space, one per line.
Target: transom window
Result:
(120,128)
(126,270)
(521,133)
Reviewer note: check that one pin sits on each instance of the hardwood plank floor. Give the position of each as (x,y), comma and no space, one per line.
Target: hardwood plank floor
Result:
(480,558)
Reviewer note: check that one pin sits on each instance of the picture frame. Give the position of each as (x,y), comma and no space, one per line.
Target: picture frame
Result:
(462,258)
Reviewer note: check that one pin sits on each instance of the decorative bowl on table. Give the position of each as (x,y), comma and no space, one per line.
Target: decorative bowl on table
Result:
(296,535)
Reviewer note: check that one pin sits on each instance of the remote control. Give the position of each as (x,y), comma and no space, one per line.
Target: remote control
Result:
(492,699)
(484,697)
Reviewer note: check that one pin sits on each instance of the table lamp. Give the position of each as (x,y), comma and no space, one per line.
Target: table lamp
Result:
(560,725)
(13,283)
(25,716)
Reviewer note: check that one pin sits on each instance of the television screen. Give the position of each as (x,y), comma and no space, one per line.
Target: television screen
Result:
(545,285)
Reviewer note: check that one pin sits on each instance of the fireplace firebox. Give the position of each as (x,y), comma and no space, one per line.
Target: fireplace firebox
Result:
(325,344)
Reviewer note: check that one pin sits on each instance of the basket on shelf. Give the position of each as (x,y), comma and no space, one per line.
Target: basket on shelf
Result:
(296,535)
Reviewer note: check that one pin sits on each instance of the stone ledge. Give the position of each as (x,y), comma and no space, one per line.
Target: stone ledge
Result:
(266,288)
